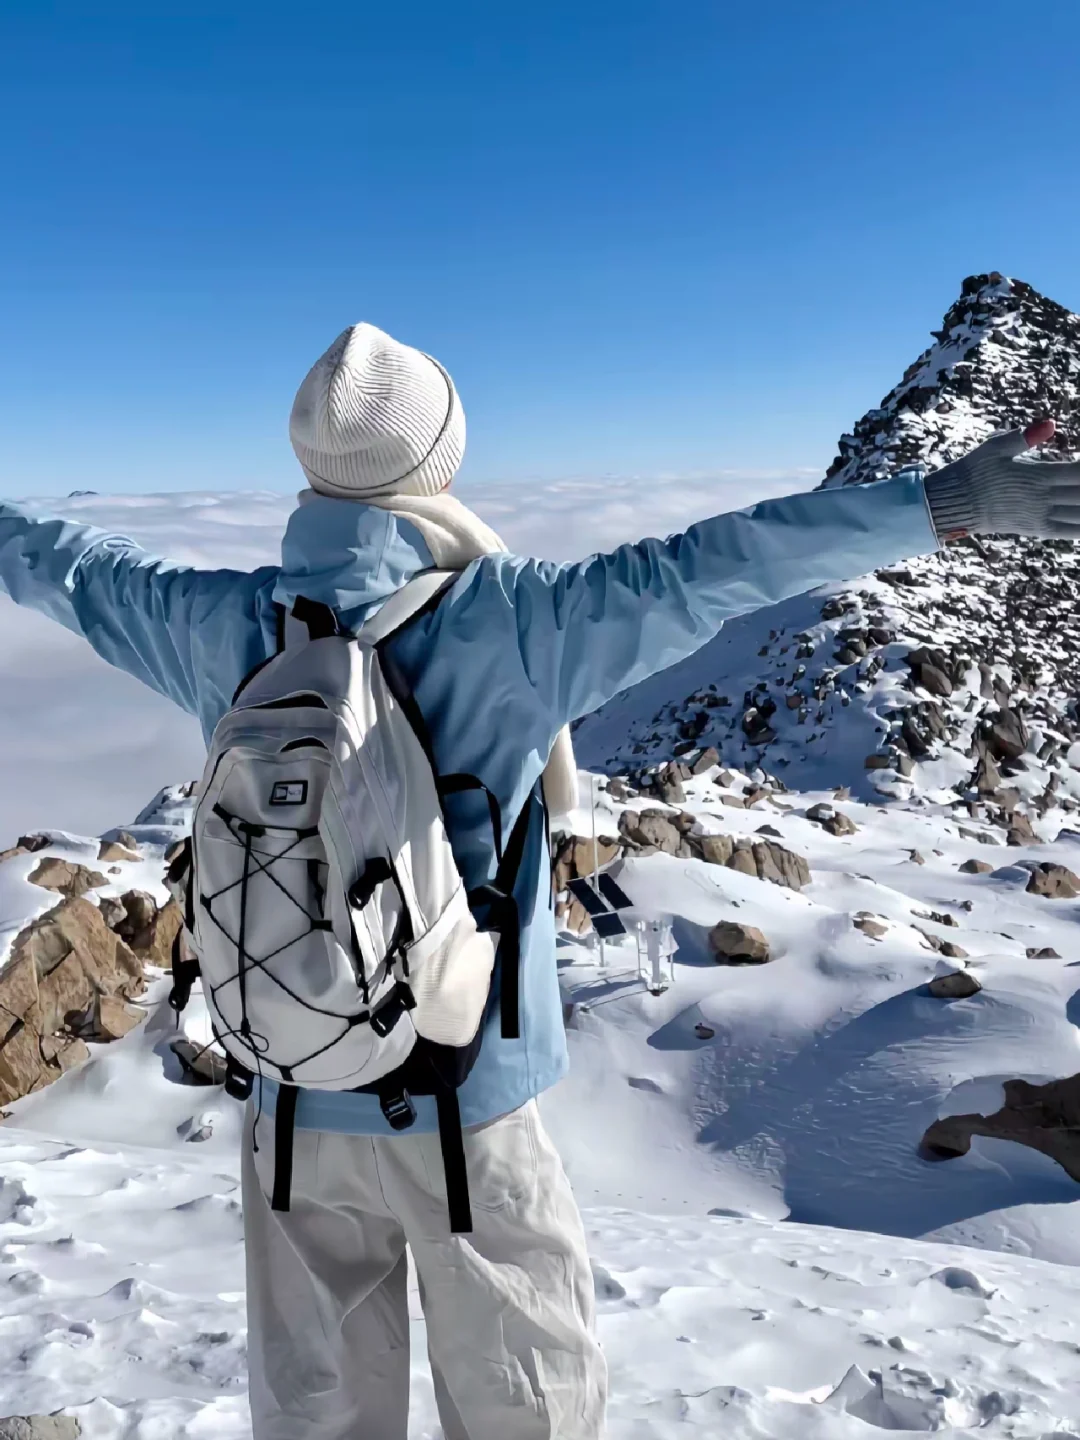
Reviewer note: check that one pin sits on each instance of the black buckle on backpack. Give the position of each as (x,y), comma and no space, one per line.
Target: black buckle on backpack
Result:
(184,974)
(376,873)
(239,1082)
(400,999)
(399,1109)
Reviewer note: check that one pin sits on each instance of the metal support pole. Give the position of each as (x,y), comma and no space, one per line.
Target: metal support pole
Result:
(596,858)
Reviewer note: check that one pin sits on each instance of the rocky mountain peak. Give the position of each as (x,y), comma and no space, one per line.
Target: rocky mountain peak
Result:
(1004,356)
(951,681)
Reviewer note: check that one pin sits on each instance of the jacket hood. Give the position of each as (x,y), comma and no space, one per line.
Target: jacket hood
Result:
(349,556)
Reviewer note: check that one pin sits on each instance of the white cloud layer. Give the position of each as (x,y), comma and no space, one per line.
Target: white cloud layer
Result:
(82,747)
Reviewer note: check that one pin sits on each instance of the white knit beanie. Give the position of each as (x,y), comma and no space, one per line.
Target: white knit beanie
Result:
(376,418)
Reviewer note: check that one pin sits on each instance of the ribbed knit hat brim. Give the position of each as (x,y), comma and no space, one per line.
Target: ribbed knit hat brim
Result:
(376,418)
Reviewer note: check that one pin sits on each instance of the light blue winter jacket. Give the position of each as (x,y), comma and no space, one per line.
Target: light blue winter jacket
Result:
(516,650)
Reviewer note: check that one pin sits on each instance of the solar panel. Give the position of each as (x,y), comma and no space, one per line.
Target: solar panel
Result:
(583,891)
(608,925)
(613,893)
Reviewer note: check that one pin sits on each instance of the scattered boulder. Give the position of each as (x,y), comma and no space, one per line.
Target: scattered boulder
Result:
(58,966)
(879,762)
(1008,797)
(66,877)
(764,859)
(652,829)
(916,858)
(1042,952)
(1007,735)
(25,845)
(575,857)
(780,865)
(1020,831)
(832,820)
(952,951)
(139,911)
(979,837)
(1055,882)
(939,917)
(987,774)
(151,931)
(897,578)
(40,1427)
(705,761)
(111,852)
(703,1031)
(976,867)
(742,859)
(713,849)
(929,670)
(63,1052)
(108,1018)
(1045,1117)
(112,911)
(756,726)
(669,787)
(201,1066)
(957,985)
(869,926)
(739,944)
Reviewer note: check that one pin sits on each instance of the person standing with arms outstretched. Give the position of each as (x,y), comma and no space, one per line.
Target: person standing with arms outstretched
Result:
(514,651)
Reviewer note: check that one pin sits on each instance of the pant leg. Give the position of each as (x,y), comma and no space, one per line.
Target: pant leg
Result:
(328,1327)
(510,1307)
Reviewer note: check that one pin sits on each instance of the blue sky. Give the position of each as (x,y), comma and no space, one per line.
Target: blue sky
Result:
(646,238)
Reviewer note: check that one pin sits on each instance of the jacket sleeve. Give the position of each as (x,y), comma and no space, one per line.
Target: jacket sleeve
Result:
(589,630)
(159,621)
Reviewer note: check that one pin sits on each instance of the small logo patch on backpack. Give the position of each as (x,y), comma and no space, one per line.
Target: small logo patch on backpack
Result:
(289,792)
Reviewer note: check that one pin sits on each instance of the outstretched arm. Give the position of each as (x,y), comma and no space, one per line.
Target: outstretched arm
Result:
(161,622)
(589,630)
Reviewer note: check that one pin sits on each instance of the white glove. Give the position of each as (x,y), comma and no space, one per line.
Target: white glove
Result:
(991,491)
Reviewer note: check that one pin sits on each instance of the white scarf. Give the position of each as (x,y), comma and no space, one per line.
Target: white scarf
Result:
(456,537)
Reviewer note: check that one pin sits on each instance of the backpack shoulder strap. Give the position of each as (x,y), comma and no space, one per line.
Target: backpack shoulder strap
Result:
(307,620)
(497,900)
(422,592)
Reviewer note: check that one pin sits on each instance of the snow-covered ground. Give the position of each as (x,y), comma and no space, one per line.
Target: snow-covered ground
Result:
(123,1273)
(773,1258)
(828,1064)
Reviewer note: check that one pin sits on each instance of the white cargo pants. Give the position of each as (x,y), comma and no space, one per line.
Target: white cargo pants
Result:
(508,1308)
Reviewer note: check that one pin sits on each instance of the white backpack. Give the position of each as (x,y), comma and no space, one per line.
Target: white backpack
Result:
(332,930)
